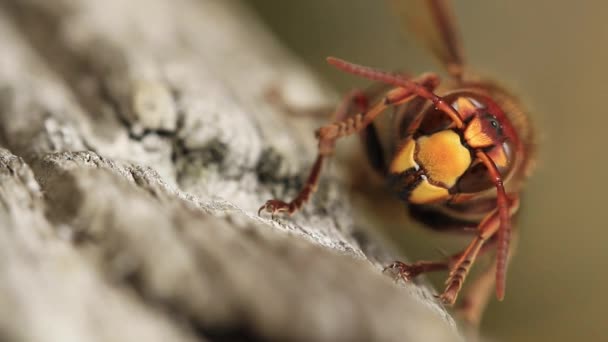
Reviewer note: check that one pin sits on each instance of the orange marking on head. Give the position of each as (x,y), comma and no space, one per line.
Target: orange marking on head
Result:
(426,193)
(498,156)
(443,157)
(404,159)
(465,106)
(475,136)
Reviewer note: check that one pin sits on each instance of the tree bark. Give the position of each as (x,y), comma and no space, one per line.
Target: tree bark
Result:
(137,145)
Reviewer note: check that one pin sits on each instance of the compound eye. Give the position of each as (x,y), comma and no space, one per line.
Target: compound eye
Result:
(494,123)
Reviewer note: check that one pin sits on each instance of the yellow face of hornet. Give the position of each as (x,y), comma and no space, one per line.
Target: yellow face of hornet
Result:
(439,158)
(427,167)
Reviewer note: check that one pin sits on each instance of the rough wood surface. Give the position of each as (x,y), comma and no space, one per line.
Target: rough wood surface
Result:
(137,144)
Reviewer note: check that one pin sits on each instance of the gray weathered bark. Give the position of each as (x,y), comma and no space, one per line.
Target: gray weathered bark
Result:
(137,146)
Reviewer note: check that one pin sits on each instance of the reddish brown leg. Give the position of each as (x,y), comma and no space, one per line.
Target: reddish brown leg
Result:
(345,125)
(274,206)
(476,298)
(477,294)
(408,272)
(408,87)
(458,272)
(503,208)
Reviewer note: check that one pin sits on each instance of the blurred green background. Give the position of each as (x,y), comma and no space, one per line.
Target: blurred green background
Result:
(554,55)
